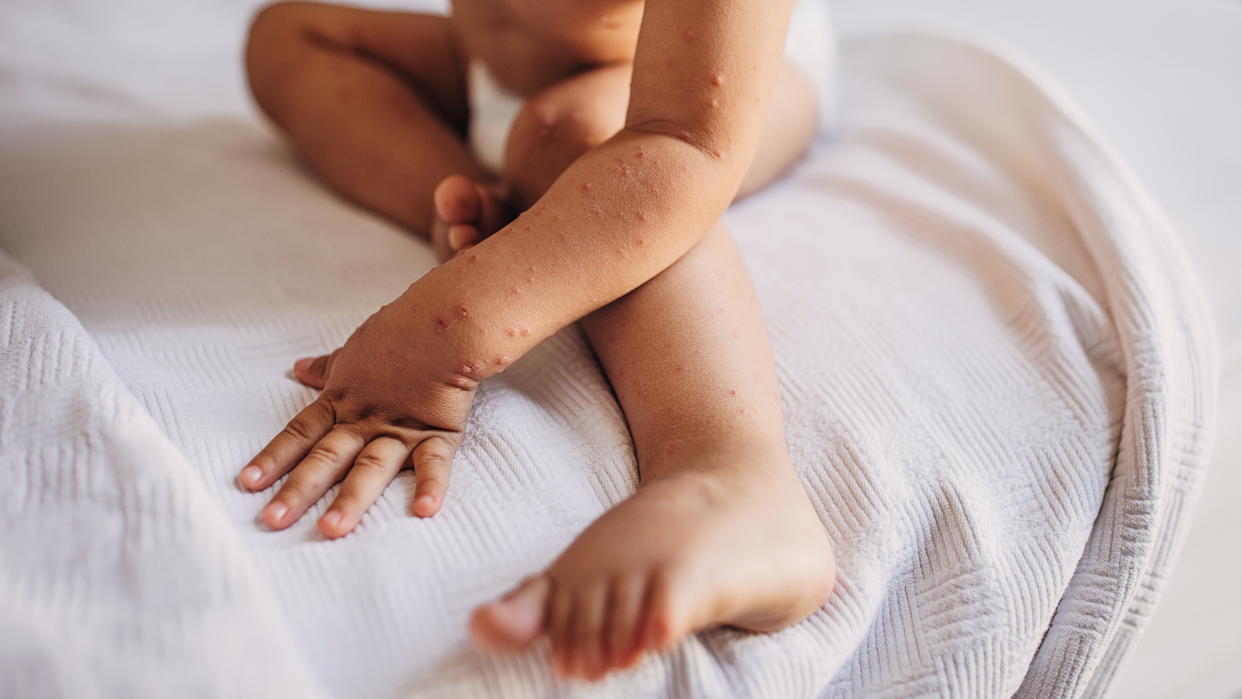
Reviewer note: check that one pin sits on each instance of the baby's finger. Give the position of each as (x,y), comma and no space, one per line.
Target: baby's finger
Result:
(432,461)
(320,470)
(373,470)
(314,371)
(287,448)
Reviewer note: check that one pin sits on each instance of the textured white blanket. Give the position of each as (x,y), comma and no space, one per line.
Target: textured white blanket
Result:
(996,368)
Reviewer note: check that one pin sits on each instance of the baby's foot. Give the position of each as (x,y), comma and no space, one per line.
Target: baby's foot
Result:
(689,551)
(466,213)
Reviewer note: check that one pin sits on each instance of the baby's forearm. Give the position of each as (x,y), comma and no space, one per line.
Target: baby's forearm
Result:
(627,209)
(618,217)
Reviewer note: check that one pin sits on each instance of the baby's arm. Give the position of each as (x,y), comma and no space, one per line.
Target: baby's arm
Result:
(620,215)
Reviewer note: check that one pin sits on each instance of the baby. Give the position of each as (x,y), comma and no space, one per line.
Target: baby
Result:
(633,126)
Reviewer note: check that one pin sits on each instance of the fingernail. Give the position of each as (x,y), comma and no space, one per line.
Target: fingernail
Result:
(303,364)
(333,518)
(276,510)
(251,475)
(424,504)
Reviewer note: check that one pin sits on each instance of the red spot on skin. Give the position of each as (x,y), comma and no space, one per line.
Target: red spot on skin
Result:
(530,280)
(642,216)
(528,229)
(515,290)
(718,154)
(556,217)
(532,268)
(524,332)
(586,186)
(513,332)
(641,241)
(742,410)
(688,36)
(717,79)
(732,393)
(474,258)
(680,368)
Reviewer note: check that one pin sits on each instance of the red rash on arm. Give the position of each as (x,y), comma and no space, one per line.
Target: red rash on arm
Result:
(632,206)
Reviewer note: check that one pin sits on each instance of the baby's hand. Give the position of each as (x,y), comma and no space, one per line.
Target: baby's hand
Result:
(383,407)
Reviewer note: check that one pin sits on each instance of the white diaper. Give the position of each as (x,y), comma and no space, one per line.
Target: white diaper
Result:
(810,46)
(492,111)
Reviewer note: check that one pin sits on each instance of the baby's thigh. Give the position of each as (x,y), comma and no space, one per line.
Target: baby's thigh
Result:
(421,50)
(559,124)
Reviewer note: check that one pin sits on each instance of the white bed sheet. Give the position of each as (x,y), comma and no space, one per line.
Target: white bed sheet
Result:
(105,84)
(1163,80)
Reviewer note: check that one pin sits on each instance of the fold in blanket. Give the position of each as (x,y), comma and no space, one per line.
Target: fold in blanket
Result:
(118,574)
(997,375)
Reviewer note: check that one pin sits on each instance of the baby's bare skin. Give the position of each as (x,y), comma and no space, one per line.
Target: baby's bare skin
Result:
(627,206)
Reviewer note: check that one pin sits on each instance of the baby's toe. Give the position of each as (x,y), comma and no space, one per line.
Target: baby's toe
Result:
(462,237)
(512,624)
(457,200)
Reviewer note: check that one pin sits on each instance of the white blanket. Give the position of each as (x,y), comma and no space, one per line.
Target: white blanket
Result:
(997,375)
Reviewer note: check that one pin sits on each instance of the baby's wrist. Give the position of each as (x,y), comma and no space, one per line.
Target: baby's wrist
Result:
(463,347)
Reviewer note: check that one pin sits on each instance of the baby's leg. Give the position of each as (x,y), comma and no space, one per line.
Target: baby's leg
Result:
(720,530)
(561,123)
(375,102)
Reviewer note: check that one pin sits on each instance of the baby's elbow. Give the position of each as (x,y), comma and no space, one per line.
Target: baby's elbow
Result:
(701,138)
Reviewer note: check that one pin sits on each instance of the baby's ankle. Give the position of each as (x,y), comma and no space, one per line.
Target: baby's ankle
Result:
(714,458)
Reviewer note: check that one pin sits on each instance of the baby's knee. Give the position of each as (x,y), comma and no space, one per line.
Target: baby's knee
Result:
(275,19)
(556,126)
(551,125)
